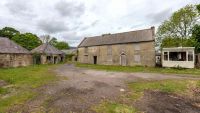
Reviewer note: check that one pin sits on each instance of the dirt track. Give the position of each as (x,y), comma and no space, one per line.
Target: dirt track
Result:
(85,88)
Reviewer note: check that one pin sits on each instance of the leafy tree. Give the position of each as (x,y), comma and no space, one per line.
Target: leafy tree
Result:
(196,36)
(175,42)
(27,40)
(198,7)
(62,45)
(179,25)
(8,32)
(53,41)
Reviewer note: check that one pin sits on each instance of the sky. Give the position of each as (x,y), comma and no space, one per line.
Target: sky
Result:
(72,20)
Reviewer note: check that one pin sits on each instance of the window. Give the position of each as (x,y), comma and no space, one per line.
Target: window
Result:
(190,56)
(136,47)
(86,50)
(166,56)
(137,58)
(177,56)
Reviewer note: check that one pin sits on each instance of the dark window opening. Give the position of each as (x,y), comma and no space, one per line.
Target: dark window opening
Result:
(48,58)
(166,56)
(190,56)
(177,56)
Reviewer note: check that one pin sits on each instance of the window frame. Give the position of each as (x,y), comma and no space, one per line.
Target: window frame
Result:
(166,56)
(192,56)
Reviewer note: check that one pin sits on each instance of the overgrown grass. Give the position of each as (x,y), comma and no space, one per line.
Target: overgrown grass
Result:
(137,89)
(111,107)
(168,86)
(192,72)
(3,91)
(21,83)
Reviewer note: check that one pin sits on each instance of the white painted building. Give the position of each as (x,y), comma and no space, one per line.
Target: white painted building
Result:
(178,57)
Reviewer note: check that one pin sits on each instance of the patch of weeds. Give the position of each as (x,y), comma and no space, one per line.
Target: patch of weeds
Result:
(111,107)
(3,91)
(23,81)
(19,98)
(169,86)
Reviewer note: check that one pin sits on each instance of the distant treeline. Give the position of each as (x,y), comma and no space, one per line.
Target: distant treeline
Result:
(30,40)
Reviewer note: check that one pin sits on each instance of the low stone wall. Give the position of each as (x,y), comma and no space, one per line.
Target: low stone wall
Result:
(15,60)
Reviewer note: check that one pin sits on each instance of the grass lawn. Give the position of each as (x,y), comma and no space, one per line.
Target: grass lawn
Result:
(180,87)
(192,72)
(21,83)
(112,107)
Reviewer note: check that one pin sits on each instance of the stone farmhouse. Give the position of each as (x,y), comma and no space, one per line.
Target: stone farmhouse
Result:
(47,54)
(13,55)
(126,49)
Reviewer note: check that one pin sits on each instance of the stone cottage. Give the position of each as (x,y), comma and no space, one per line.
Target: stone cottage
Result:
(47,54)
(13,55)
(126,49)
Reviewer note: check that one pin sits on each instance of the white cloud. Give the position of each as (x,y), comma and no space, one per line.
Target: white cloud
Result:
(72,20)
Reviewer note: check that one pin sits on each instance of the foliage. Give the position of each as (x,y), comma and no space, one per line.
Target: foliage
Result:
(198,7)
(22,81)
(27,40)
(191,72)
(69,57)
(53,41)
(177,42)
(111,107)
(8,32)
(179,25)
(196,36)
(62,45)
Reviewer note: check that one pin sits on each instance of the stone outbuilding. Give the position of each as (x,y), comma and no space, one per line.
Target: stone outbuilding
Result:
(183,57)
(126,49)
(47,54)
(71,54)
(13,55)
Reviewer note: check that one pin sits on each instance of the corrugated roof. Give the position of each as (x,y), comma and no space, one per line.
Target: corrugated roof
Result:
(47,49)
(8,46)
(120,38)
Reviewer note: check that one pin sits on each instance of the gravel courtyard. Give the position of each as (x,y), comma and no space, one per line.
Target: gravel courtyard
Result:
(79,89)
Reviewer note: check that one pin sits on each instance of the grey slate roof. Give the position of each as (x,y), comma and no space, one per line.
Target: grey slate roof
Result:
(8,46)
(120,38)
(47,49)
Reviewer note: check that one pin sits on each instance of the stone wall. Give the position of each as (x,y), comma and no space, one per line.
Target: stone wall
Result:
(15,60)
(134,53)
(44,59)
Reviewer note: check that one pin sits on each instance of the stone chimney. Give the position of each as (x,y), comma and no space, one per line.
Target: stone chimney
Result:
(153,30)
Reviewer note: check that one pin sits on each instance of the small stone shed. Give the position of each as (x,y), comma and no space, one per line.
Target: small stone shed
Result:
(178,57)
(13,55)
(47,54)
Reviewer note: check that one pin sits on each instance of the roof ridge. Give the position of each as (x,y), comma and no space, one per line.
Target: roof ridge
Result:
(120,32)
(120,38)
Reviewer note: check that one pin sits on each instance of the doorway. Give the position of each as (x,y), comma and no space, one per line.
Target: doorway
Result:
(123,59)
(55,60)
(95,59)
